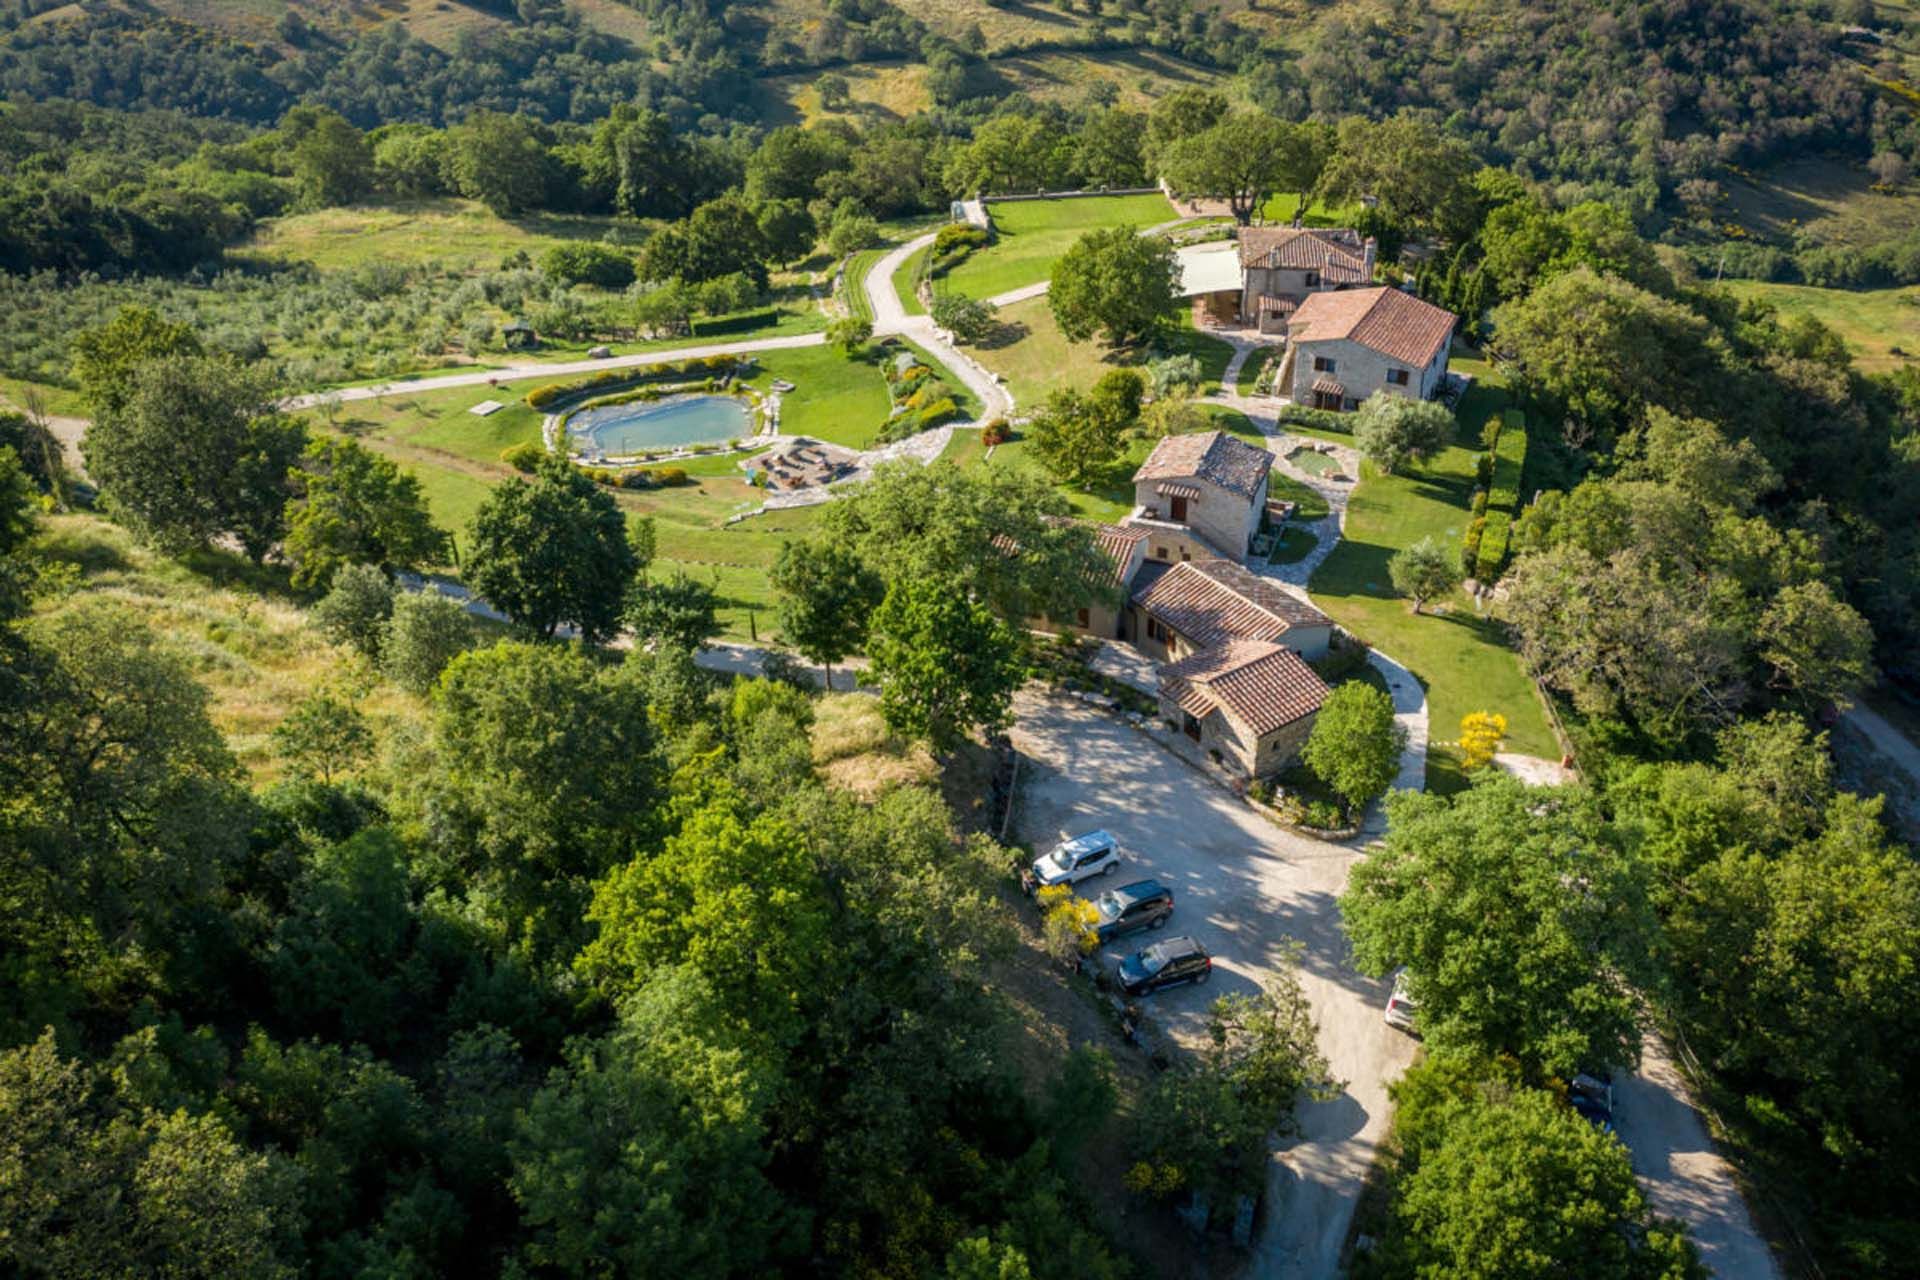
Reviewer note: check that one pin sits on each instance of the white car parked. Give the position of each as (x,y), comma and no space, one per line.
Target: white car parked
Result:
(1094,854)
(1400,1007)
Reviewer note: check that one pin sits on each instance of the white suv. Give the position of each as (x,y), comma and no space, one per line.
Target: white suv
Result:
(1094,854)
(1400,1008)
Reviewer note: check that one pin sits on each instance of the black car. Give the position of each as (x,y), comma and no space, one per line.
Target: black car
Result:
(1164,964)
(1590,1093)
(1144,904)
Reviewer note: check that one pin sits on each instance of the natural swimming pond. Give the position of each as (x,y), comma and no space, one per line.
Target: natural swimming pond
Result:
(645,425)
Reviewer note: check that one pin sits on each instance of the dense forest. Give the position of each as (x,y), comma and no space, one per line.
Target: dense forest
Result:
(534,956)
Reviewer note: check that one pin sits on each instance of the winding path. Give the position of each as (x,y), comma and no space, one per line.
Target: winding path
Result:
(890,318)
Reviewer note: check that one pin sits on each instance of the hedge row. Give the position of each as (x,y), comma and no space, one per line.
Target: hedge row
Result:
(953,245)
(1320,419)
(553,393)
(1503,496)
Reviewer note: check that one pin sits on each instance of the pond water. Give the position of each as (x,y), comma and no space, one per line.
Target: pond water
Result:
(646,425)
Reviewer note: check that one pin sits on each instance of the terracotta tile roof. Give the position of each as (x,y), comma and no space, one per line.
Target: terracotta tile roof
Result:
(1261,684)
(1339,255)
(1390,321)
(1329,386)
(1178,489)
(1117,543)
(1213,456)
(1211,602)
(1272,306)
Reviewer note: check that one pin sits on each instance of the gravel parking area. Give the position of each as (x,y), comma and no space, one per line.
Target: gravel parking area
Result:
(1247,890)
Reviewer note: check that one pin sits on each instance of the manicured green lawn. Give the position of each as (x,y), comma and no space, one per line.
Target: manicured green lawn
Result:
(853,288)
(1460,656)
(439,420)
(1294,545)
(1030,236)
(835,399)
(1035,357)
(1281,208)
(903,280)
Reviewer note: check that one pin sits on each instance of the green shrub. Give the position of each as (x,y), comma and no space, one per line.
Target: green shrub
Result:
(671,477)
(524,456)
(995,432)
(1503,496)
(1319,419)
(698,367)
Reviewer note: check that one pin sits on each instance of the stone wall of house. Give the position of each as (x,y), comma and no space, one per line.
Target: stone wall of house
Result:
(1224,519)
(1103,623)
(1309,642)
(1278,749)
(1361,370)
(1172,543)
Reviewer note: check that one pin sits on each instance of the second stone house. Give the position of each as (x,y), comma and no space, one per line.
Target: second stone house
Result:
(1343,347)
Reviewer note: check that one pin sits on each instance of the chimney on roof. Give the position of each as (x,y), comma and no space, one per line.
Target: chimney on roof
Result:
(1369,250)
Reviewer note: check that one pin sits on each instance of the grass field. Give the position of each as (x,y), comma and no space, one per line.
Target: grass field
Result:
(1831,201)
(455,233)
(1876,323)
(248,642)
(1035,357)
(1460,656)
(835,399)
(1030,236)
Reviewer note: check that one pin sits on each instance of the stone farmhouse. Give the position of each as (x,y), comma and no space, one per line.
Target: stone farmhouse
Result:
(1233,647)
(1281,266)
(1343,347)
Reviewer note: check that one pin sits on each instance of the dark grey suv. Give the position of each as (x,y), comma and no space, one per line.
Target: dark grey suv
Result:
(1144,904)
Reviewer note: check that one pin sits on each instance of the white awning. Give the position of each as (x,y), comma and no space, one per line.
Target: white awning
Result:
(1209,268)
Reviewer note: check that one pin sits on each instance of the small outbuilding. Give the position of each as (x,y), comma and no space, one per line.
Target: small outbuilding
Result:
(518,335)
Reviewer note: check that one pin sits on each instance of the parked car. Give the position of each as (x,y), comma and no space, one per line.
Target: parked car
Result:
(1095,854)
(1164,964)
(1400,1006)
(1144,904)
(1591,1094)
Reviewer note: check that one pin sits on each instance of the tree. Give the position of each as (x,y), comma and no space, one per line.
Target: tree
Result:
(1180,115)
(849,334)
(1114,283)
(355,609)
(322,736)
(827,594)
(1071,439)
(645,1152)
(197,450)
(678,612)
(666,310)
(106,356)
(1424,569)
(583,262)
(1175,377)
(1108,150)
(968,319)
(1519,923)
(1241,159)
(850,233)
(1817,647)
(1067,929)
(332,163)
(946,665)
(353,506)
(1505,1182)
(1392,431)
(426,632)
(1417,175)
(1602,350)
(788,229)
(97,1186)
(1481,733)
(943,524)
(541,776)
(498,159)
(1115,398)
(552,553)
(1355,744)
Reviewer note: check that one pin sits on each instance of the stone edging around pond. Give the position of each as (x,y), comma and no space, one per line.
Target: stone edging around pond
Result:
(765,409)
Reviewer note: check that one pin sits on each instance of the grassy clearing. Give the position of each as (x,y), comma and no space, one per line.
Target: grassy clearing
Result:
(61,402)
(1035,357)
(454,233)
(246,638)
(853,292)
(1832,201)
(855,751)
(1138,77)
(1461,657)
(1030,236)
(1881,326)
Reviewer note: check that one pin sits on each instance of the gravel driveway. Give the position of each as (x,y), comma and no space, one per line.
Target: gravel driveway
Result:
(1244,888)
